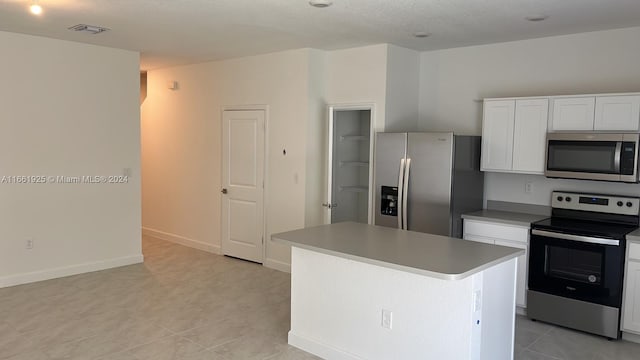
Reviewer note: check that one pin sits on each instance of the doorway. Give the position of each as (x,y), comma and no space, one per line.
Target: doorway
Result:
(243,139)
(350,164)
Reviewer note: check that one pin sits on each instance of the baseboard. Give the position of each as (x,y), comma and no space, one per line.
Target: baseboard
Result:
(319,349)
(631,337)
(25,278)
(196,244)
(521,311)
(278,265)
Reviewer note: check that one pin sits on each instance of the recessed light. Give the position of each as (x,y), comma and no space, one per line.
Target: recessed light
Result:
(421,34)
(320,3)
(537,18)
(35,8)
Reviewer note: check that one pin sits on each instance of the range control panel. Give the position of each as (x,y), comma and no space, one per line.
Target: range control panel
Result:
(613,204)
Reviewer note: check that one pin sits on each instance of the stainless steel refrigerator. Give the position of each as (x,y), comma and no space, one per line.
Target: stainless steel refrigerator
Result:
(425,181)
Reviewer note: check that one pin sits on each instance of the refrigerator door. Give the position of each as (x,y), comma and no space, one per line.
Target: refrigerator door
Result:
(429,185)
(390,153)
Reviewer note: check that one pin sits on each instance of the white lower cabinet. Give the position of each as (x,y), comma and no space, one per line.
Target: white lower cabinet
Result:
(504,235)
(521,277)
(631,302)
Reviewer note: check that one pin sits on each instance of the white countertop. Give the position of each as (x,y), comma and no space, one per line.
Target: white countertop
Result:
(634,236)
(504,217)
(425,254)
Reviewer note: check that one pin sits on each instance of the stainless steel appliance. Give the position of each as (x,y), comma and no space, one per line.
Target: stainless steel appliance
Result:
(593,156)
(576,261)
(425,181)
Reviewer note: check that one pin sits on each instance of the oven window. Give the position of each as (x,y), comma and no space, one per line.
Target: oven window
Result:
(582,156)
(573,264)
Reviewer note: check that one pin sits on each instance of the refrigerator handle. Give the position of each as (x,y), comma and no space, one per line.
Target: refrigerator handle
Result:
(405,195)
(400,193)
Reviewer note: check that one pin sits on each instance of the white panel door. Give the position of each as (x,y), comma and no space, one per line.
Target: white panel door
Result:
(573,113)
(617,113)
(243,185)
(529,135)
(521,277)
(631,305)
(497,134)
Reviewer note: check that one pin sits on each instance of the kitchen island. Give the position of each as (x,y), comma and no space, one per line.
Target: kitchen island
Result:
(367,292)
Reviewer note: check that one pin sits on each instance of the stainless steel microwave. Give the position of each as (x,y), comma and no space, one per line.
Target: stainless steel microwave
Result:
(593,156)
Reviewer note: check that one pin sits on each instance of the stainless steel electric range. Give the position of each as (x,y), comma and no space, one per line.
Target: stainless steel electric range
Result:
(576,261)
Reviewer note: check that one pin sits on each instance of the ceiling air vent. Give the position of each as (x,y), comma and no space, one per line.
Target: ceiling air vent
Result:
(92,29)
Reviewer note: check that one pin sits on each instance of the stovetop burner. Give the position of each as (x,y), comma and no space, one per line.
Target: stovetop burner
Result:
(585,228)
(604,216)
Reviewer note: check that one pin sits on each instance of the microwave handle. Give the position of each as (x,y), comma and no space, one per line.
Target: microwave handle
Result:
(616,157)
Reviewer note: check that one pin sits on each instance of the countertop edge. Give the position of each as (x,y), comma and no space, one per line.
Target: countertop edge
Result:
(399,267)
(492,216)
(633,236)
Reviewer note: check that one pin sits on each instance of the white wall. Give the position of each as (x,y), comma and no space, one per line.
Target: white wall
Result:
(359,75)
(316,137)
(403,84)
(182,145)
(68,109)
(452,81)
(510,187)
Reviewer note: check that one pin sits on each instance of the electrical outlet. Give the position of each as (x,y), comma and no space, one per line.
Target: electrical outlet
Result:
(477,300)
(29,244)
(387,319)
(528,187)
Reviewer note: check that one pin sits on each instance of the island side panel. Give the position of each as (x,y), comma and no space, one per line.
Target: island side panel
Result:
(498,311)
(337,304)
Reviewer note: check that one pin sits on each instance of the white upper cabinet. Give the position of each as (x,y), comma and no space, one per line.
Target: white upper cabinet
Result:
(574,113)
(514,130)
(530,134)
(497,135)
(514,134)
(597,112)
(617,113)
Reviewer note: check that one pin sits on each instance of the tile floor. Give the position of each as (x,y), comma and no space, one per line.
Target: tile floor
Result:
(190,305)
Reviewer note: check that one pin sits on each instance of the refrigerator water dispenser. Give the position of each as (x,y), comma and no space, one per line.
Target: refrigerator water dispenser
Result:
(389,200)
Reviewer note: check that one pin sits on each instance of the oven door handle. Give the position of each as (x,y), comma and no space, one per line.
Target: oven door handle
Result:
(587,239)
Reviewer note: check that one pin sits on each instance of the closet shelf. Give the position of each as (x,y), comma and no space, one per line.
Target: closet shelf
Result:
(354,163)
(353,138)
(354,188)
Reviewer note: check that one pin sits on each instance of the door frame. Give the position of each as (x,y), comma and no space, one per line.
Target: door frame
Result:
(265,196)
(328,164)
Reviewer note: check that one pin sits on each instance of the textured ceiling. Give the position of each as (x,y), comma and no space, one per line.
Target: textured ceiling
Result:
(173,32)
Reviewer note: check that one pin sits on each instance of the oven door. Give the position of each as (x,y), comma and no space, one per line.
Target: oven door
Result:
(578,267)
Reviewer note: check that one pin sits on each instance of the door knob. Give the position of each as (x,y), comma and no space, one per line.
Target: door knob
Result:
(224,191)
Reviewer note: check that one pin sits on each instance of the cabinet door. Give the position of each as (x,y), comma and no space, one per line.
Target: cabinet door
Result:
(573,113)
(529,136)
(521,277)
(631,305)
(497,135)
(617,112)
